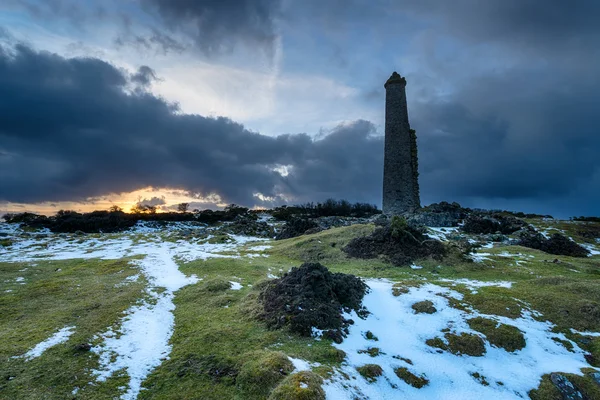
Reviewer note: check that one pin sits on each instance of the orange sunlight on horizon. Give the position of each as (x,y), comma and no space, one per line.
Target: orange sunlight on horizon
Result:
(166,199)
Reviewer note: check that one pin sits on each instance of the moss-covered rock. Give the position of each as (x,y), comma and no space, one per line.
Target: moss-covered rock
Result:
(505,336)
(370,372)
(262,371)
(304,385)
(424,306)
(410,378)
(561,386)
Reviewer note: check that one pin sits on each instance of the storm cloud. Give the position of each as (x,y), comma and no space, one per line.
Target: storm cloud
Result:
(218,26)
(74,128)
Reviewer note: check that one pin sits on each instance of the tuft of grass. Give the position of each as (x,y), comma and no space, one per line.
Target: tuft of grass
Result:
(6,242)
(505,336)
(370,372)
(463,344)
(216,285)
(410,378)
(219,238)
(425,306)
(399,290)
(263,371)
(372,351)
(371,336)
(304,385)
(480,378)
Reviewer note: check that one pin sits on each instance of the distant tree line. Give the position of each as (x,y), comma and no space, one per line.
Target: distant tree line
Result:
(329,208)
(115,219)
(586,219)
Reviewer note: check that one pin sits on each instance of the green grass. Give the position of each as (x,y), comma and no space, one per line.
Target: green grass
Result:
(500,335)
(83,293)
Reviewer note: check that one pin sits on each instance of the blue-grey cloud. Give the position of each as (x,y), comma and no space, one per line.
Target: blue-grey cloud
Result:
(71,129)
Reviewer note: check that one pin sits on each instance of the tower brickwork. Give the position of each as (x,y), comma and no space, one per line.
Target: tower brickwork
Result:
(400,171)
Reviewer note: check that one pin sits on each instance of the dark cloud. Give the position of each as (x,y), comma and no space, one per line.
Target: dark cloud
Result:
(152,201)
(156,42)
(529,22)
(70,130)
(218,26)
(502,140)
(144,76)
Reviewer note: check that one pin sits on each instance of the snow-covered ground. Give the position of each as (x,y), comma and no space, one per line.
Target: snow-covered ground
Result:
(401,340)
(141,341)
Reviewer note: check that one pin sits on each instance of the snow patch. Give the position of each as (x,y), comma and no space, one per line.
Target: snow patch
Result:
(59,337)
(441,233)
(144,334)
(402,336)
(302,365)
(235,285)
(595,334)
(473,285)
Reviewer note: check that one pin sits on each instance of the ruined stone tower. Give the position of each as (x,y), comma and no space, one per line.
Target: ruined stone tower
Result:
(400,170)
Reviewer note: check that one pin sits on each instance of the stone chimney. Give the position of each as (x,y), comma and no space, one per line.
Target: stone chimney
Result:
(400,170)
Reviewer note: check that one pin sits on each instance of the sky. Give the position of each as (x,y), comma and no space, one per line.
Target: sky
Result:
(269,102)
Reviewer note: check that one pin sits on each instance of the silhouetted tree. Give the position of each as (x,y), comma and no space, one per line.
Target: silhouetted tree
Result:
(183,207)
